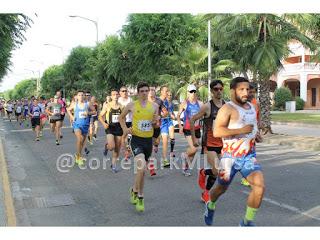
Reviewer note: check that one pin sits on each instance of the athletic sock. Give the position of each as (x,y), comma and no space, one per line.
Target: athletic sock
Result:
(172,143)
(210,181)
(250,214)
(212,205)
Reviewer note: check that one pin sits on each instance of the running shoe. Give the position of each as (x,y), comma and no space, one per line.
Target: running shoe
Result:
(79,160)
(90,142)
(202,179)
(208,215)
(85,150)
(105,152)
(186,172)
(155,149)
(140,204)
(57,142)
(114,169)
(246,223)
(152,172)
(172,156)
(40,133)
(205,196)
(166,163)
(244,182)
(37,139)
(133,196)
(94,137)
(61,136)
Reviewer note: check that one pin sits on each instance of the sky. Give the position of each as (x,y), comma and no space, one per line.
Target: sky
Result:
(33,57)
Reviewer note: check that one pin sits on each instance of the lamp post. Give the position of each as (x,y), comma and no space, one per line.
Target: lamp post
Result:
(90,20)
(37,79)
(61,48)
(209,59)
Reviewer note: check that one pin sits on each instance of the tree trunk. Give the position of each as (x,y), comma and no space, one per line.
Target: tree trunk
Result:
(265,104)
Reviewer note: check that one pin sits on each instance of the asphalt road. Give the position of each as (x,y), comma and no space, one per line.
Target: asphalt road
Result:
(43,196)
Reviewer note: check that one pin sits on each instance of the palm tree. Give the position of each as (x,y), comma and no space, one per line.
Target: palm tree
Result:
(193,70)
(259,42)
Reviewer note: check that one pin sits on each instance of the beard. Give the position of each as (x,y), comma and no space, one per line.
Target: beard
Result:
(241,101)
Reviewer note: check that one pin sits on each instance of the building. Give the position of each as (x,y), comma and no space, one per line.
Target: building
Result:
(301,75)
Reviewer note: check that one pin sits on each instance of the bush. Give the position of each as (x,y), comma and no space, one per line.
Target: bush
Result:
(281,96)
(299,103)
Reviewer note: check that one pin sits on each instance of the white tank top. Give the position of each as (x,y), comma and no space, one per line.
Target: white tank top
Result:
(125,102)
(241,145)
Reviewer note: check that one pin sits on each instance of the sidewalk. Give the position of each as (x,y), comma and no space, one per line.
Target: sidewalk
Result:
(296,135)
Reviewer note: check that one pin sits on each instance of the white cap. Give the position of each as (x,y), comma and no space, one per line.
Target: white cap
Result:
(191,87)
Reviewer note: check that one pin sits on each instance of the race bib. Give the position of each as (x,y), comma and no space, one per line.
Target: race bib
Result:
(82,114)
(25,107)
(56,110)
(18,109)
(36,114)
(115,118)
(145,125)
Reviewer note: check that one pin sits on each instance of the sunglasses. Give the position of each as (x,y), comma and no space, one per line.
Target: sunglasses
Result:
(124,91)
(217,89)
(144,91)
(192,91)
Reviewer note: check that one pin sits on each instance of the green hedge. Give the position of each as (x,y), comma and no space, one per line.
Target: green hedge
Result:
(299,103)
(281,96)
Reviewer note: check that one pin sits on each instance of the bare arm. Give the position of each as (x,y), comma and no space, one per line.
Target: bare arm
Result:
(69,109)
(181,109)
(222,121)
(122,119)
(102,116)
(199,115)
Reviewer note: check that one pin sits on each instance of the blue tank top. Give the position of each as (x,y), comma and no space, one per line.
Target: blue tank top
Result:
(80,117)
(191,109)
(35,111)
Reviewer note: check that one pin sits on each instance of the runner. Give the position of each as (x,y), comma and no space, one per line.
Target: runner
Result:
(9,108)
(93,121)
(63,109)
(25,112)
(253,100)
(213,145)
(165,120)
(35,112)
(109,118)
(54,112)
(236,124)
(156,131)
(171,126)
(144,117)
(124,100)
(81,121)
(2,108)
(190,107)
(18,112)
(43,116)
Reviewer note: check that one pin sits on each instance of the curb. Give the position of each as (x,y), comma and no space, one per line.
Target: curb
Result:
(9,210)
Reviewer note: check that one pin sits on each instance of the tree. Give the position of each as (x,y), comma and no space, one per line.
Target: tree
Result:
(77,70)
(259,42)
(24,88)
(52,80)
(153,37)
(12,28)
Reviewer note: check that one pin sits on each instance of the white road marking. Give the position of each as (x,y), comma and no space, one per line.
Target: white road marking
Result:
(288,207)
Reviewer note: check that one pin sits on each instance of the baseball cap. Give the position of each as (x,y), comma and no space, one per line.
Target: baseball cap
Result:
(56,97)
(191,87)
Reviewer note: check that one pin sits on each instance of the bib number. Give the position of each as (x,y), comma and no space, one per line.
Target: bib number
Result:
(115,118)
(82,115)
(36,114)
(26,108)
(145,126)
(56,110)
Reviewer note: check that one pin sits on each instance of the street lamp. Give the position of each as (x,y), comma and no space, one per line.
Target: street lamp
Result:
(88,19)
(61,48)
(38,79)
(209,59)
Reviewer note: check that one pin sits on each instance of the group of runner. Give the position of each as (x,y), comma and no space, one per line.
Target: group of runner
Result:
(229,132)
